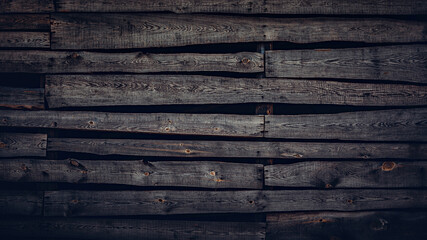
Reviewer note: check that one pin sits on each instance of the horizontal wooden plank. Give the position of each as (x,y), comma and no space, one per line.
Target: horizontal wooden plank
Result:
(22,145)
(365,7)
(24,40)
(164,123)
(129,229)
(347,225)
(121,31)
(382,125)
(321,174)
(162,202)
(238,149)
(128,90)
(21,203)
(25,22)
(399,63)
(17,98)
(26,6)
(136,62)
(138,173)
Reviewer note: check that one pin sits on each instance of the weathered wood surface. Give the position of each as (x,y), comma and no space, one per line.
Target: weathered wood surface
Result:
(17,98)
(129,229)
(238,149)
(26,6)
(138,173)
(21,203)
(347,225)
(121,31)
(136,62)
(127,90)
(22,145)
(163,123)
(382,125)
(25,22)
(365,7)
(24,40)
(400,63)
(349,174)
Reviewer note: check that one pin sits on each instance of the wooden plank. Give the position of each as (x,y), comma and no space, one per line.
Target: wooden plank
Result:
(238,149)
(136,62)
(382,125)
(24,40)
(128,90)
(164,123)
(129,229)
(400,63)
(365,7)
(22,145)
(347,225)
(321,174)
(25,22)
(17,98)
(164,202)
(138,173)
(21,203)
(121,31)
(26,6)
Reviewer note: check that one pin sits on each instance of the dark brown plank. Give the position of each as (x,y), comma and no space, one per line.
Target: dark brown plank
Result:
(238,149)
(162,202)
(138,173)
(383,125)
(348,174)
(121,31)
(400,63)
(135,62)
(25,22)
(26,6)
(164,123)
(24,40)
(347,225)
(17,98)
(129,229)
(21,203)
(127,90)
(22,145)
(365,7)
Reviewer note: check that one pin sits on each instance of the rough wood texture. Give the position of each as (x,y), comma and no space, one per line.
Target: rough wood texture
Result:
(383,125)
(26,6)
(348,174)
(135,62)
(114,203)
(238,149)
(122,90)
(17,98)
(21,203)
(121,31)
(22,145)
(400,63)
(129,229)
(344,225)
(139,173)
(164,123)
(365,7)
(24,40)
(25,22)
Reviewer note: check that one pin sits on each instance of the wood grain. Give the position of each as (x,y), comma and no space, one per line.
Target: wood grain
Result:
(123,31)
(22,145)
(21,203)
(399,63)
(26,6)
(17,98)
(21,22)
(24,40)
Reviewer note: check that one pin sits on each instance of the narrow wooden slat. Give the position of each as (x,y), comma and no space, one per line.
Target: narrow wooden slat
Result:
(162,202)
(136,62)
(348,174)
(26,6)
(347,225)
(122,90)
(121,31)
(139,173)
(24,40)
(400,63)
(22,145)
(383,125)
(25,22)
(365,7)
(21,203)
(165,123)
(28,98)
(238,149)
(129,229)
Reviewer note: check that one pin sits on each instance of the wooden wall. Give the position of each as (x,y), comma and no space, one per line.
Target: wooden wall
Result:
(213,119)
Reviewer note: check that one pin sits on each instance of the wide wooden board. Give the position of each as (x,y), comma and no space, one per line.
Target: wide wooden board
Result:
(24,40)
(22,145)
(22,203)
(26,98)
(26,6)
(39,22)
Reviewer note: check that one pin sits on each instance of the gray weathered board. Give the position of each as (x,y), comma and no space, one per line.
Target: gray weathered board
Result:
(22,145)
(24,203)
(26,6)
(40,22)
(26,98)
(24,40)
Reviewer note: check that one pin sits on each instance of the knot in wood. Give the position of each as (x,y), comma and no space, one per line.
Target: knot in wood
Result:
(74,163)
(245,61)
(2,145)
(212,173)
(388,166)
(54,124)
(74,55)
(161,200)
(328,185)
(251,202)
(146,173)
(187,151)
(74,201)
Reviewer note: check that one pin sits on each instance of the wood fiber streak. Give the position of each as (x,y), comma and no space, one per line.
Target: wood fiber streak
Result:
(22,145)
(24,40)
(26,6)
(27,203)
(17,98)
(21,22)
